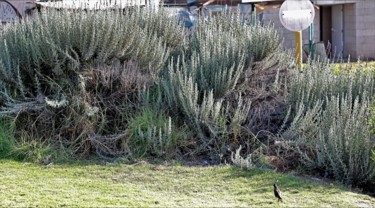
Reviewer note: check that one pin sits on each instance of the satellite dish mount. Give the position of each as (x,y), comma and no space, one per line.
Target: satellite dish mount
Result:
(296,16)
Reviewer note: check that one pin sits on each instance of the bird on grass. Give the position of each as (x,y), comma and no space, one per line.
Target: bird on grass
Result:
(277,193)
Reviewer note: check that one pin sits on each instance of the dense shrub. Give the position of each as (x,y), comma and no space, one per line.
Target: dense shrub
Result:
(75,79)
(135,83)
(330,124)
(336,139)
(155,134)
(318,81)
(33,151)
(48,52)
(84,80)
(206,86)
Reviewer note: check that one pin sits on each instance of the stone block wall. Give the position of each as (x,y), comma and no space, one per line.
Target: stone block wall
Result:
(359,27)
(350,28)
(365,31)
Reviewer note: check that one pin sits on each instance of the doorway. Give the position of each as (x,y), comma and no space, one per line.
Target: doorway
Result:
(338,30)
(332,29)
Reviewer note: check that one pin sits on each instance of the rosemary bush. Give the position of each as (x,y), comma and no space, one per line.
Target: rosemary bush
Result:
(204,86)
(155,135)
(336,139)
(330,124)
(240,161)
(256,41)
(54,47)
(76,79)
(205,114)
(82,80)
(318,81)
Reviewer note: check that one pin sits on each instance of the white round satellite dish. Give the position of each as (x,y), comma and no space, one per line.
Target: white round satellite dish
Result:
(8,13)
(297,15)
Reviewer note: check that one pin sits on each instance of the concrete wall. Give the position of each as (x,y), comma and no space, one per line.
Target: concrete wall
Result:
(359,27)
(333,2)
(350,28)
(365,28)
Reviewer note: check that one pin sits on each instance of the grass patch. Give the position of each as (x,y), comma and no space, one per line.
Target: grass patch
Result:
(6,138)
(153,133)
(95,185)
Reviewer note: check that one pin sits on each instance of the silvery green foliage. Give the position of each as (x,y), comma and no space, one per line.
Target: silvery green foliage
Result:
(304,126)
(336,139)
(153,133)
(200,84)
(223,49)
(318,81)
(212,119)
(330,124)
(52,58)
(255,41)
(240,161)
(216,61)
(55,46)
(155,140)
(345,142)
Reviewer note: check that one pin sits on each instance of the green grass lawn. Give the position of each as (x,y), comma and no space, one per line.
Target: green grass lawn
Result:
(85,184)
(353,65)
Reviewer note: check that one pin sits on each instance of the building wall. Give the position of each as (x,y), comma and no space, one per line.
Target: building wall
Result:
(359,27)
(333,2)
(350,28)
(272,16)
(365,28)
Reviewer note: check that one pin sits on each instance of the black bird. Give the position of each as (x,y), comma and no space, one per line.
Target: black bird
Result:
(277,193)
